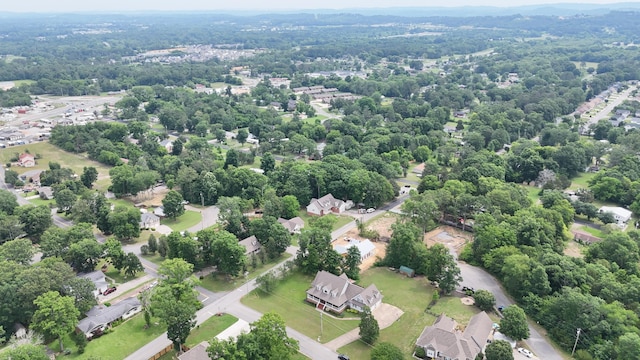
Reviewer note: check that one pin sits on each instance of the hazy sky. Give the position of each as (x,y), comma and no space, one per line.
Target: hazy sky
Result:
(266,5)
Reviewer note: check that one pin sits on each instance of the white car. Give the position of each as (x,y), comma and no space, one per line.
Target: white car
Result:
(525,352)
(370,210)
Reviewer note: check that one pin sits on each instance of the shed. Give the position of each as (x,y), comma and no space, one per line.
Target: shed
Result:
(407,271)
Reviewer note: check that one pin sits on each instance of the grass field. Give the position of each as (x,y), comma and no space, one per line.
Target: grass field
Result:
(117,276)
(217,283)
(412,296)
(581,181)
(182,223)
(532,193)
(50,153)
(124,340)
(341,220)
(593,231)
(288,300)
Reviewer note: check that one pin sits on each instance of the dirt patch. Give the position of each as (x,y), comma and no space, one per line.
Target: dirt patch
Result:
(467,300)
(574,249)
(151,198)
(448,236)
(383,226)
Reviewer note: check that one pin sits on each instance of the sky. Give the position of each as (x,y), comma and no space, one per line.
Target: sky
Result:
(253,5)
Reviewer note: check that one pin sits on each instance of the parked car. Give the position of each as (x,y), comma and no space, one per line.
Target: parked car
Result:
(370,210)
(109,290)
(525,352)
(343,357)
(500,308)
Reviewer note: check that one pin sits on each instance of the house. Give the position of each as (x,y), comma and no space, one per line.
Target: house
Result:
(167,144)
(100,316)
(251,245)
(293,225)
(27,160)
(45,192)
(149,220)
(419,169)
(443,341)
(330,292)
(366,248)
(325,205)
(621,215)
(198,352)
(99,281)
(159,211)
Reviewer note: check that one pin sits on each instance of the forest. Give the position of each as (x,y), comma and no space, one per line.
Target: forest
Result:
(486,108)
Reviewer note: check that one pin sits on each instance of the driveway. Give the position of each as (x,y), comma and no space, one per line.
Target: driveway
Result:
(209,217)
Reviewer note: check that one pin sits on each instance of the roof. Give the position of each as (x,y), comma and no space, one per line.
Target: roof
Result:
(419,168)
(368,297)
(198,352)
(97,278)
(26,156)
(333,289)
(618,211)
(326,202)
(149,217)
(251,244)
(292,224)
(100,314)
(443,337)
(364,246)
(166,142)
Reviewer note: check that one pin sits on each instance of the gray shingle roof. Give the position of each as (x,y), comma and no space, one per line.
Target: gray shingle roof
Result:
(103,315)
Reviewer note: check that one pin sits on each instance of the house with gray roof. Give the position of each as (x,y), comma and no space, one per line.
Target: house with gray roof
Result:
(251,245)
(198,352)
(293,225)
(334,293)
(100,316)
(443,340)
(98,279)
(325,205)
(149,220)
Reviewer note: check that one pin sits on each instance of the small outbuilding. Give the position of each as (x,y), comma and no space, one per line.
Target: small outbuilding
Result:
(407,271)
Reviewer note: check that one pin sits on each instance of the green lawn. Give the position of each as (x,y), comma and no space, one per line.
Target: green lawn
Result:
(581,181)
(39,201)
(217,283)
(412,296)
(50,153)
(117,276)
(182,223)
(593,231)
(124,340)
(532,193)
(210,328)
(288,300)
(341,220)
(155,258)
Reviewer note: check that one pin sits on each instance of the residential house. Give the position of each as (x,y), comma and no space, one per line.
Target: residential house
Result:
(251,245)
(293,225)
(334,293)
(45,192)
(100,317)
(621,215)
(99,281)
(167,144)
(149,220)
(325,205)
(198,352)
(159,211)
(27,160)
(366,248)
(443,341)
(419,169)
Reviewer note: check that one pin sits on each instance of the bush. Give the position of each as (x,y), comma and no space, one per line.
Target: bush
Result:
(80,340)
(144,249)
(419,352)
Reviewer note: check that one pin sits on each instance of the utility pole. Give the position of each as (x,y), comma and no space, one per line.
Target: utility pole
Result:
(576,343)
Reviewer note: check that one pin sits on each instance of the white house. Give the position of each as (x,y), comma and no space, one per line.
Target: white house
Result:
(334,293)
(326,204)
(167,144)
(100,316)
(27,160)
(621,215)
(293,225)
(366,248)
(149,220)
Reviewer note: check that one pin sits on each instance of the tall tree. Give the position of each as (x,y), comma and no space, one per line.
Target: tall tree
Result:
(131,265)
(84,255)
(228,255)
(19,250)
(124,222)
(369,328)
(8,201)
(484,300)
(89,176)
(351,263)
(36,220)
(81,290)
(173,204)
(499,350)
(267,163)
(514,323)
(56,315)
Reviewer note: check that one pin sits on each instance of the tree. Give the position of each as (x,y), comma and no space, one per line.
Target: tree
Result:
(25,352)
(131,265)
(81,290)
(499,350)
(442,268)
(231,159)
(178,145)
(629,346)
(124,222)
(12,177)
(514,323)
(173,204)
(228,255)
(351,263)
(65,199)
(36,219)
(55,315)
(84,255)
(269,335)
(19,250)
(267,163)
(10,227)
(242,136)
(386,351)
(369,329)
(290,207)
(8,202)
(484,300)
(89,176)
(152,243)
(115,253)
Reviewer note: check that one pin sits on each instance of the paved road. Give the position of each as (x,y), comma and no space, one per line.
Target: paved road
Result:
(209,217)
(478,278)
(604,113)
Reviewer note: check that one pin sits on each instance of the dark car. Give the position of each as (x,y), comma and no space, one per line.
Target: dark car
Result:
(343,357)
(109,290)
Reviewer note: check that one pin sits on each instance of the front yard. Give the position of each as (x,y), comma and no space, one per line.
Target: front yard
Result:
(412,296)
(217,283)
(188,219)
(288,300)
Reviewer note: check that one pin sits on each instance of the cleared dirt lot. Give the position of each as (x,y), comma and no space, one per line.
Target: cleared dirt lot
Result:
(380,224)
(448,236)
